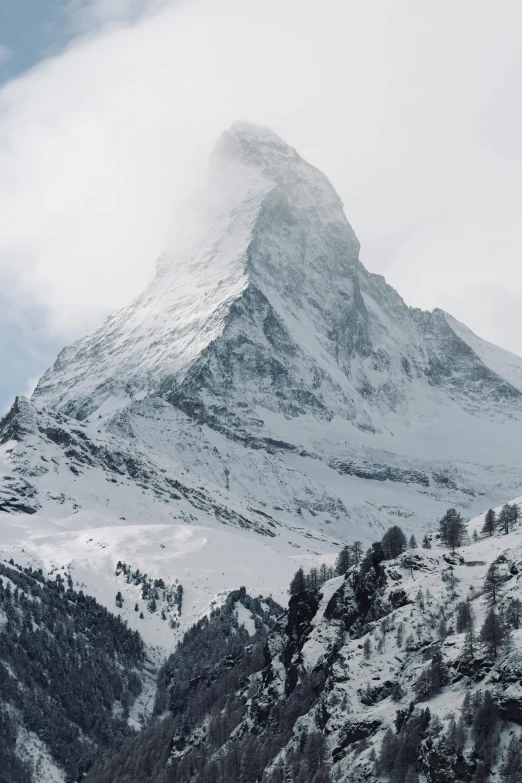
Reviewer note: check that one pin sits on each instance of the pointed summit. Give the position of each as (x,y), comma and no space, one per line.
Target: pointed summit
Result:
(279,236)
(256,146)
(271,310)
(303,185)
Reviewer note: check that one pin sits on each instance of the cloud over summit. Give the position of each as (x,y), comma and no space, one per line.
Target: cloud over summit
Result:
(407,108)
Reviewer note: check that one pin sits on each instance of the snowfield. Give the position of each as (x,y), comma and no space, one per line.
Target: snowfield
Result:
(207,562)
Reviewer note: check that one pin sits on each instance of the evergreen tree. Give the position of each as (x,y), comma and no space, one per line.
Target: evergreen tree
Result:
(515,514)
(490,523)
(439,672)
(367,648)
(483,730)
(470,642)
(452,529)
(494,634)
(397,692)
(464,617)
(451,581)
(512,767)
(388,753)
(505,519)
(412,543)
(426,543)
(493,584)
(461,734)
(451,739)
(411,775)
(432,679)
(344,561)
(393,543)
(298,584)
(357,552)
(314,752)
(323,573)
(514,613)
(466,709)
(312,581)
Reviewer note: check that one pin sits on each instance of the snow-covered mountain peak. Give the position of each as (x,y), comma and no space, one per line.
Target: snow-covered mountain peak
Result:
(271,223)
(267,360)
(302,185)
(256,146)
(253,145)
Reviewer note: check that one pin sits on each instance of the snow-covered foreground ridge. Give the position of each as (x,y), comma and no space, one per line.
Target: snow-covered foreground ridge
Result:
(386,673)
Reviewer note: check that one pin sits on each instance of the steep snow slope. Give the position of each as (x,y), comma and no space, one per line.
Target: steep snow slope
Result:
(505,364)
(208,563)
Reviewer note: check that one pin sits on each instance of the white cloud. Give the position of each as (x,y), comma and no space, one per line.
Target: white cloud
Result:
(408,107)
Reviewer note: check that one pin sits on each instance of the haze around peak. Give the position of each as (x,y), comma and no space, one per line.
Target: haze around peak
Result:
(104,145)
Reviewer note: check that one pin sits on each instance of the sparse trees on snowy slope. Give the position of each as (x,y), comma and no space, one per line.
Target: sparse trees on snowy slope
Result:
(508,517)
(204,691)
(310,582)
(393,543)
(348,557)
(399,757)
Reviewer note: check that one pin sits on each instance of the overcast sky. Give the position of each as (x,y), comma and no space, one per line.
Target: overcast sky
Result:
(108,110)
